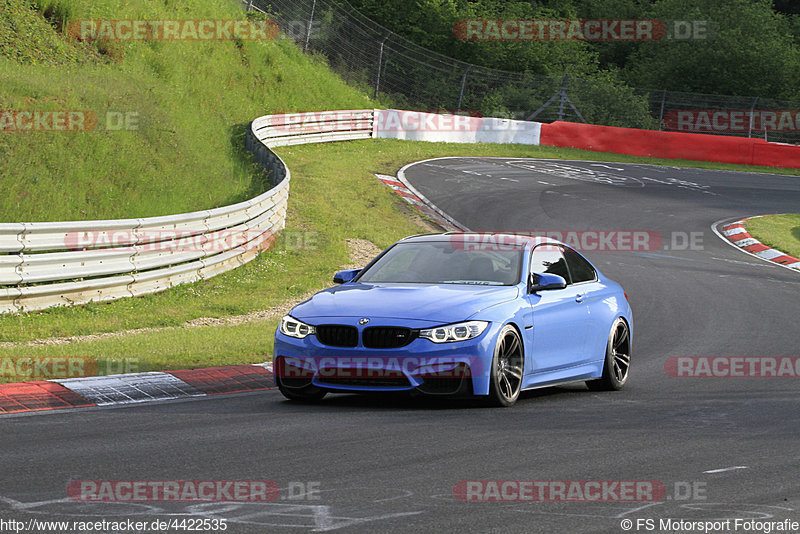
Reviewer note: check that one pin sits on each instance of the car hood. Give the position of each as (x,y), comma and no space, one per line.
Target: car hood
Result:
(442,304)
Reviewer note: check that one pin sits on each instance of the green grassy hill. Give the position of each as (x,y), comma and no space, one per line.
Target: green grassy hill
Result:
(191,102)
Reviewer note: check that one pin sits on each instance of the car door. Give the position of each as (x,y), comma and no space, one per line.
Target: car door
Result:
(588,289)
(558,335)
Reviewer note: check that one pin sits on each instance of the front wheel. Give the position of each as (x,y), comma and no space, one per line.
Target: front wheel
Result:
(507,365)
(618,359)
(305,394)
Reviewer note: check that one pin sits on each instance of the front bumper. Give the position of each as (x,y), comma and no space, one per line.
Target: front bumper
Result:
(432,368)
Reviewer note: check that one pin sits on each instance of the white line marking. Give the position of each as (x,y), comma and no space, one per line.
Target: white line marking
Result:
(724,469)
(545,183)
(648,505)
(607,167)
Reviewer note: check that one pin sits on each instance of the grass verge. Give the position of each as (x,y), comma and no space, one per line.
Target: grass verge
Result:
(169,349)
(781,232)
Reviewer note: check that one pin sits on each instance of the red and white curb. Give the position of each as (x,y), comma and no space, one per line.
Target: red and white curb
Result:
(413,197)
(737,234)
(133,388)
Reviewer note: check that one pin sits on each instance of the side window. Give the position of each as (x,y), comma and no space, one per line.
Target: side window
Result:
(580,269)
(549,259)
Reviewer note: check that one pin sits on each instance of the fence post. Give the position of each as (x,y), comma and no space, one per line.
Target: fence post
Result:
(562,97)
(249,5)
(661,113)
(565,99)
(463,84)
(752,109)
(380,64)
(310,23)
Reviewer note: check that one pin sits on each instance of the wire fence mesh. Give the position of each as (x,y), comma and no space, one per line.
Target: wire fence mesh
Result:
(412,77)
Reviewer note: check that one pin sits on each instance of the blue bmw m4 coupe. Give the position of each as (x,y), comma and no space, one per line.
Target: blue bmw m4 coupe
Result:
(459,314)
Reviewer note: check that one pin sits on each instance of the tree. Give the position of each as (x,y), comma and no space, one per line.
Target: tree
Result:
(430,23)
(749,50)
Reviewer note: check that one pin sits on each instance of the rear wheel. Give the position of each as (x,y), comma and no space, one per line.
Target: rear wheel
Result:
(506,370)
(618,359)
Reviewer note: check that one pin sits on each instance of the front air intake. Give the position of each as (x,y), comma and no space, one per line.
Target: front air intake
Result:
(337,335)
(386,337)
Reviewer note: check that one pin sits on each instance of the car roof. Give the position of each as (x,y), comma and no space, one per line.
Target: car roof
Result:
(505,238)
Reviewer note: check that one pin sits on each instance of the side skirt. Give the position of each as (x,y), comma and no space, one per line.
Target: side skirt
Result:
(579,373)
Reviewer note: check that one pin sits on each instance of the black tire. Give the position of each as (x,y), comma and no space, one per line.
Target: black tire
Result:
(616,368)
(505,381)
(304,394)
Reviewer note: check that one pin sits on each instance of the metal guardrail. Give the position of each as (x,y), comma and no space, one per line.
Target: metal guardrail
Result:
(46,264)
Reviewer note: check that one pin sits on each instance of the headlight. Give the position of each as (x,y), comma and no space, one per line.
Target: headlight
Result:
(294,328)
(454,332)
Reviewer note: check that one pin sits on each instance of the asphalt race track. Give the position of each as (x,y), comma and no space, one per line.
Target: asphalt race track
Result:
(390,464)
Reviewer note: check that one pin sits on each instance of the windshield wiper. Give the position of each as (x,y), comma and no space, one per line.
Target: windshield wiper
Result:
(471,282)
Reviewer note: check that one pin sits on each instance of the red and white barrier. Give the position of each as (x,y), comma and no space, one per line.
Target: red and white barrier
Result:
(671,145)
(449,128)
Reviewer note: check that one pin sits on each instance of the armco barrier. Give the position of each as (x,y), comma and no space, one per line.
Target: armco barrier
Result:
(672,145)
(47,264)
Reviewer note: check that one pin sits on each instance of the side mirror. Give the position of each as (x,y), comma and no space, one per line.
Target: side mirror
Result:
(345,276)
(545,281)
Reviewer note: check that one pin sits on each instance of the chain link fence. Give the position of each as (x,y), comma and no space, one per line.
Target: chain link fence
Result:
(412,77)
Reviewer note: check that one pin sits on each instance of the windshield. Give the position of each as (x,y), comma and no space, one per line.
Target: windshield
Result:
(446,262)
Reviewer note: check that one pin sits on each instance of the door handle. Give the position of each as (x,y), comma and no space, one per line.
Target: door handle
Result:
(579,297)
